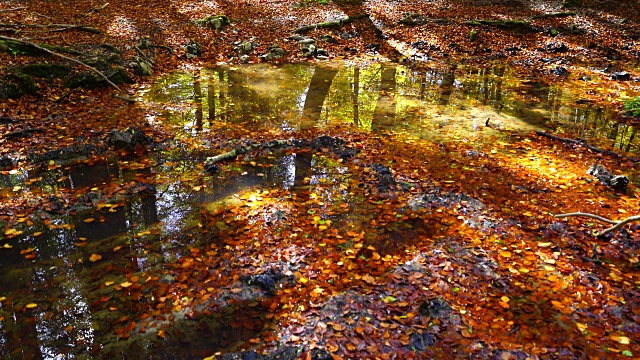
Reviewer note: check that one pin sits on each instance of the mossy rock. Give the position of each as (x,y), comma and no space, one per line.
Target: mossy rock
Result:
(14,86)
(44,70)
(215,22)
(91,80)
(17,48)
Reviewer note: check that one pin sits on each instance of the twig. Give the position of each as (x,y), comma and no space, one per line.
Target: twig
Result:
(100,73)
(13,9)
(616,224)
(64,96)
(97,8)
(590,147)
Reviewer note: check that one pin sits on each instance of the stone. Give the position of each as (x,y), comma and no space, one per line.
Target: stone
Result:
(560,71)
(621,76)
(127,139)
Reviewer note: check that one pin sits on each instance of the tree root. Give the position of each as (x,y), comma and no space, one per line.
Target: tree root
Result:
(330,24)
(552,15)
(509,24)
(242,150)
(590,147)
(34,45)
(13,9)
(20,133)
(61,27)
(616,224)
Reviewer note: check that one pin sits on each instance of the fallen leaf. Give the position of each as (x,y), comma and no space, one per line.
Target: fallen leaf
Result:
(126,284)
(95,257)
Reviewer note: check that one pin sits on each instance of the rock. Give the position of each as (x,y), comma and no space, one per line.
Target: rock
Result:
(560,71)
(275,52)
(45,71)
(435,308)
(129,138)
(268,279)
(373,47)
(621,76)
(308,41)
(617,182)
(330,39)
(244,47)
(91,80)
(14,86)
(585,78)
(193,50)
(386,182)
(141,67)
(422,341)
(5,162)
(322,52)
(556,47)
(413,19)
(213,169)
(348,35)
(215,22)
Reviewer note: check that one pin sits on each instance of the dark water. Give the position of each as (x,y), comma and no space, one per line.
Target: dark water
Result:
(154,228)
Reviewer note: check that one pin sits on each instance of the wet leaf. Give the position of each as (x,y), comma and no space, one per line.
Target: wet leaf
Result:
(31,305)
(95,257)
(88,220)
(125,284)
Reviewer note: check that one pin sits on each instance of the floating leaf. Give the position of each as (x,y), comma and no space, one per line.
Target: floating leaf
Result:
(126,284)
(88,220)
(95,257)
(31,305)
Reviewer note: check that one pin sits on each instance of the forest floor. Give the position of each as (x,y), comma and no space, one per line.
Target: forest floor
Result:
(515,284)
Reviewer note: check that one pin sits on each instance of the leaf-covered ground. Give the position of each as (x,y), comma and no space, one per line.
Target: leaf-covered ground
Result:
(408,249)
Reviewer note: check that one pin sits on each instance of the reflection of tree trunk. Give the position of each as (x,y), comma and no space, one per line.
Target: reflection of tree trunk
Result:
(485,86)
(385,111)
(633,134)
(303,170)
(197,98)
(354,96)
(447,87)
(318,90)
(499,73)
(222,88)
(211,97)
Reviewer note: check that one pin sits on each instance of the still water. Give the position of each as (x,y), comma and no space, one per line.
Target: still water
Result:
(56,302)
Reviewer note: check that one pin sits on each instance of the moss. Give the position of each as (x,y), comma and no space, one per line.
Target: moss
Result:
(17,48)
(45,70)
(91,80)
(632,106)
(14,86)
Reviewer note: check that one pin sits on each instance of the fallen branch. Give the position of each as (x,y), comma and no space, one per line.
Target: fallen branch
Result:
(330,24)
(63,27)
(100,73)
(13,9)
(588,146)
(66,95)
(616,224)
(552,15)
(97,8)
(242,150)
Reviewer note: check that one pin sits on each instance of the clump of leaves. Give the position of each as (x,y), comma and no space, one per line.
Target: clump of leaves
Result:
(632,106)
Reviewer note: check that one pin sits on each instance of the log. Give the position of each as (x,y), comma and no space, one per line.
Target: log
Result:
(616,224)
(588,146)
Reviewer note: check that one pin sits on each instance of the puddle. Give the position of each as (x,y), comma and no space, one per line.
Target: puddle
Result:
(434,105)
(150,236)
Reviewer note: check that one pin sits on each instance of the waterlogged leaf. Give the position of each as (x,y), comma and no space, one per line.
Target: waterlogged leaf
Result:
(95,257)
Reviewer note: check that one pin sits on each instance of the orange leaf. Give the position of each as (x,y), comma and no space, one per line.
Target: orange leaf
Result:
(95,257)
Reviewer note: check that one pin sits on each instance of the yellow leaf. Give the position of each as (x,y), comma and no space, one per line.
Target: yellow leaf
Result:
(197,188)
(88,220)
(544,244)
(505,299)
(3,298)
(368,278)
(581,327)
(621,339)
(109,283)
(557,304)
(304,280)
(7,246)
(31,305)
(95,257)
(126,284)
(505,254)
